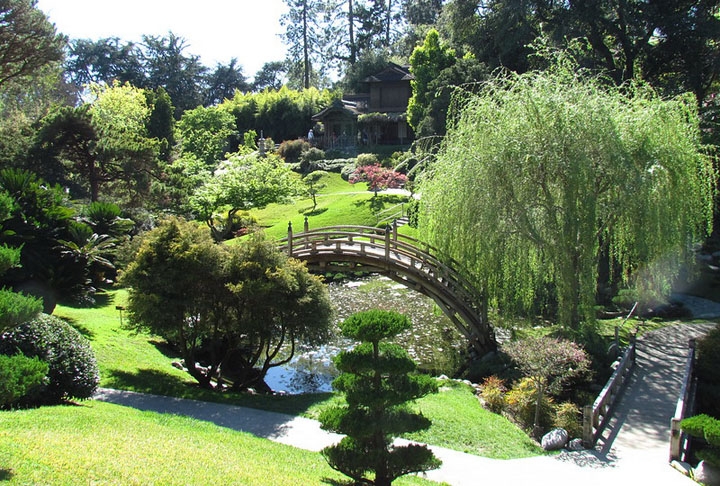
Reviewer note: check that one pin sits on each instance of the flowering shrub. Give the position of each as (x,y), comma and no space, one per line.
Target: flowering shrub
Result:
(378,177)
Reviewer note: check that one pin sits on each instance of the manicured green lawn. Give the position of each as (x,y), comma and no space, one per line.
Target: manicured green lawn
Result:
(101,443)
(339,203)
(138,362)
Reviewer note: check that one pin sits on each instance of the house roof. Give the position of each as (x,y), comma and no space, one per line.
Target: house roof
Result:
(338,106)
(394,72)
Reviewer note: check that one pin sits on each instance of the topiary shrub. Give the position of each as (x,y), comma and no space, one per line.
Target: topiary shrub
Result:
(366,159)
(708,428)
(73,371)
(20,377)
(379,381)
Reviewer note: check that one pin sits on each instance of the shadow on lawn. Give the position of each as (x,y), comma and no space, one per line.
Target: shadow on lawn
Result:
(6,474)
(158,383)
(378,203)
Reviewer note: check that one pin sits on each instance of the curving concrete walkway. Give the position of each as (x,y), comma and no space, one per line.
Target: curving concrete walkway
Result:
(633,450)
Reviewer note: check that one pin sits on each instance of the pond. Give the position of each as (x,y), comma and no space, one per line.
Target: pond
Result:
(433,342)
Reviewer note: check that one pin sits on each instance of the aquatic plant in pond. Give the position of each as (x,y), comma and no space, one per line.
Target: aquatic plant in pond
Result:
(432,342)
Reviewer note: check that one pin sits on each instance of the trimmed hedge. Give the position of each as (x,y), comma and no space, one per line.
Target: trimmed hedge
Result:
(73,370)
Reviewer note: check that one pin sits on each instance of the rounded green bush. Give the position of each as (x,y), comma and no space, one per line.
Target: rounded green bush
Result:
(73,371)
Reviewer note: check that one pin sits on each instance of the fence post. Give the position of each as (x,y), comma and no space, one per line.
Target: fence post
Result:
(290,239)
(675,439)
(587,433)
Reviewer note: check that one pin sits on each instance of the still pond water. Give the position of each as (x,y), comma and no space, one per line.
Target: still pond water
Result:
(433,342)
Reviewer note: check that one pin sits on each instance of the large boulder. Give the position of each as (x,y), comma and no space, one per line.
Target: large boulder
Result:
(554,440)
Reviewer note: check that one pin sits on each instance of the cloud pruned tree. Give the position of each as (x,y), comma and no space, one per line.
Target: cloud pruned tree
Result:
(378,380)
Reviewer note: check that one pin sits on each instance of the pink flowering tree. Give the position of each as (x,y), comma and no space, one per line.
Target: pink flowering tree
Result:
(549,363)
(378,177)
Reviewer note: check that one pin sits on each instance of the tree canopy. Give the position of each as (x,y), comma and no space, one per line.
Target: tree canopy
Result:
(557,185)
(237,309)
(28,41)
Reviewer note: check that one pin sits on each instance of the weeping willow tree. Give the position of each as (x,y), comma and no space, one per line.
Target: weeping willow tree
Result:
(545,175)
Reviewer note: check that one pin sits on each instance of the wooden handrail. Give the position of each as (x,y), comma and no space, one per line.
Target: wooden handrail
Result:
(679,441)
(596,416)
(408,260)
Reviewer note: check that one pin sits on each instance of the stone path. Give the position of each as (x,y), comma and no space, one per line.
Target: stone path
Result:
(632,450)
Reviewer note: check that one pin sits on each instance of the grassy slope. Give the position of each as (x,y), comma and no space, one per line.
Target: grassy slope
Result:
(102,443)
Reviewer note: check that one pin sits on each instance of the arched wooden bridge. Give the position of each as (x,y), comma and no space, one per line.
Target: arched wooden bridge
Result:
(404,260)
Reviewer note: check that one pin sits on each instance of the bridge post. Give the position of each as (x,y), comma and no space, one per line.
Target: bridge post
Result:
(394,229)
(290,239)
(306,226)
(387,243)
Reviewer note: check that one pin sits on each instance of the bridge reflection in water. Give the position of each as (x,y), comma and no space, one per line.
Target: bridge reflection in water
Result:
(404,259)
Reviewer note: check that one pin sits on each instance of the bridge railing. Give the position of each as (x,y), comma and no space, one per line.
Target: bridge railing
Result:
(404,250)
(596,416)
(680,441)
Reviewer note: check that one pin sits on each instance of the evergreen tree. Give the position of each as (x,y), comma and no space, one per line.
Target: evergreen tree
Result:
(377,380)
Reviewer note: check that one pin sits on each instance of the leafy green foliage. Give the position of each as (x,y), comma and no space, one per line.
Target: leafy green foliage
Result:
(708,428)
(285,114)
(426,63)
(291,150)
(568,175)
(16,308)
(19,377)
(238,309)
(314,184)
(73,371)
(377,382)
(242,183)
(548,363)
(28,40)
(207,134)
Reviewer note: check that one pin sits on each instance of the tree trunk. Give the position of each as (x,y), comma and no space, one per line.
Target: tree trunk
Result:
(352,58)
(306,48)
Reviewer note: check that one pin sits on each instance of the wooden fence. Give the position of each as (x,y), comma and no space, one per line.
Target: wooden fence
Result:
(679,441)
(595,416)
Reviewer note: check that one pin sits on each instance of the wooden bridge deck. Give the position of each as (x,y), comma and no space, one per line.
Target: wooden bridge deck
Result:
(403,259)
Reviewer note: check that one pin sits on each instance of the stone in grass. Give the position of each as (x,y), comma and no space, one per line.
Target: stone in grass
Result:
(554,440)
